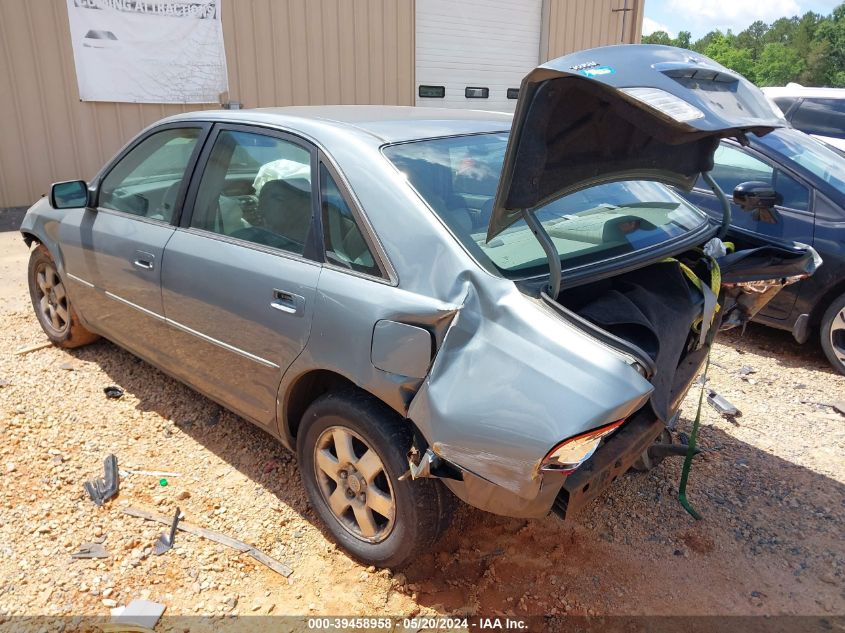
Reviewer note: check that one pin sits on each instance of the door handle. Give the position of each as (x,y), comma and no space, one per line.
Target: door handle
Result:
(287,302)
(144,260)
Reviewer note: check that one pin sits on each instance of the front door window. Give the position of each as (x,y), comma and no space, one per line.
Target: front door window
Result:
(147,181)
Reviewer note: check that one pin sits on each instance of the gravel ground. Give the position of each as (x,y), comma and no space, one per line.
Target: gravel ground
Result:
(770,486)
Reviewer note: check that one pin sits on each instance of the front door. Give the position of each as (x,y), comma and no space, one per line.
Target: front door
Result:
(734,165)
(113,253)
(240,274)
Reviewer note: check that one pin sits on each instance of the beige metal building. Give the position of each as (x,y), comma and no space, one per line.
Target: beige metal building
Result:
(282,52)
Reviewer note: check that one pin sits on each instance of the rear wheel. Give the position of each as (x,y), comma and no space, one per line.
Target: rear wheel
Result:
(352,449)
(52,306)
(832,333)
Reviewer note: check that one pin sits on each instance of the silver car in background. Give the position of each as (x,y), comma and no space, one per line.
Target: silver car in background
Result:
(425,303)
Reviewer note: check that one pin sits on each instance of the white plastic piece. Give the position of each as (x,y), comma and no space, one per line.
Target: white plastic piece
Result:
(715,248)
(145,613)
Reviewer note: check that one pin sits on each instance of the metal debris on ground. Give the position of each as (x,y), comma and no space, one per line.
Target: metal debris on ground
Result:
(837,405)
(149,473)
(165,542)
(113,392)
(138,614)
(91,550)
(217,537)
(745,370)
(722,405)
(101,490)
(32,348)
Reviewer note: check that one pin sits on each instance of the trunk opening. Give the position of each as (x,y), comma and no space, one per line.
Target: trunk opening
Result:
(653,309)
(656,311)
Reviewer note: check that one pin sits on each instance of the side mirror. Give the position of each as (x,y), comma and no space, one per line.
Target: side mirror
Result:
(759,199)
(71,194)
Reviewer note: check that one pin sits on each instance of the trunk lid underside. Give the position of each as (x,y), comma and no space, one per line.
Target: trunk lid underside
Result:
(621,113)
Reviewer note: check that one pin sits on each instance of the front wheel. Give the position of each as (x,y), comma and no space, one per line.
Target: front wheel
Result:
(352,449)
(832,333)
(52,306)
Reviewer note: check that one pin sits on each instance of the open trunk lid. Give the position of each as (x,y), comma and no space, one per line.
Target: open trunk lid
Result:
(641,112)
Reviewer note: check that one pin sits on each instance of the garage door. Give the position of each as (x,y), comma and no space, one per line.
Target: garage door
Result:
(470,54)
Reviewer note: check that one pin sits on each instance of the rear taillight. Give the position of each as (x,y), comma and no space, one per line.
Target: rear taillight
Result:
(567,456)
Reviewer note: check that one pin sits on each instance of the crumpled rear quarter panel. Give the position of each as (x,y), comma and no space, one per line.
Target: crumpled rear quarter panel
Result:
(512,380)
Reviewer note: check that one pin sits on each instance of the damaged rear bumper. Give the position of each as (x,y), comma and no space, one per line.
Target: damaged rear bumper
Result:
(611,460)
(562,494)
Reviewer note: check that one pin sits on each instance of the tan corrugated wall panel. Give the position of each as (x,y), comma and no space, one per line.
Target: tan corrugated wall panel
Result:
(278,52)
(573,25)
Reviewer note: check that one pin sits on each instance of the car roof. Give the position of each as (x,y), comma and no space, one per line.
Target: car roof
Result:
(386,124)
(797,90)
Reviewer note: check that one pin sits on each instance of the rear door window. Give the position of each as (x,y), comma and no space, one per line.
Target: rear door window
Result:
(824,117)
(344,240)
(256,188)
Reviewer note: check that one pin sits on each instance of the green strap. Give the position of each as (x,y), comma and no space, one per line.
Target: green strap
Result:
(682,488)
(715,284)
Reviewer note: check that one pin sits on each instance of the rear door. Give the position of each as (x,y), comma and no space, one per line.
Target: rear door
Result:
(734,165)
(240,273)
(113,254)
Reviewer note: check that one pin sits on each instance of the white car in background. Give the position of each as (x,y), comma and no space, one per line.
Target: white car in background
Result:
(819,112)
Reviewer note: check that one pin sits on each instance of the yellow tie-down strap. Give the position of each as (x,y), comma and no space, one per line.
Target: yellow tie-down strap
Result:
(710,294)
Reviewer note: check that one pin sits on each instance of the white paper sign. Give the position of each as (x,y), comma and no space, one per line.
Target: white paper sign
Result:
(148,51)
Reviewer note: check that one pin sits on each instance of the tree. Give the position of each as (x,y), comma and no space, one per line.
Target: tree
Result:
(722,49)
(778,65)
(832,31)
(752,37)
(658,37)
(809,49)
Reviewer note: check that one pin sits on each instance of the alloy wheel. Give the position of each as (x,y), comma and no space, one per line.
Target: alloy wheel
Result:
(837,336)
(52,298)
(354,484)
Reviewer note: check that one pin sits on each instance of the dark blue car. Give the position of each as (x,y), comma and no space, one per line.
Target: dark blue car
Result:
(808,182)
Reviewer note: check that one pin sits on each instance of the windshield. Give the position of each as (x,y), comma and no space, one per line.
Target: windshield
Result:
(812,155)
(458,176)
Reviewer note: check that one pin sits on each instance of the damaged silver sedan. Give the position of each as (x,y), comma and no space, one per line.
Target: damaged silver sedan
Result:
(426,303)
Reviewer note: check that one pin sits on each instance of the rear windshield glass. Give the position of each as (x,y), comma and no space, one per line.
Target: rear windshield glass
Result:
(458,176)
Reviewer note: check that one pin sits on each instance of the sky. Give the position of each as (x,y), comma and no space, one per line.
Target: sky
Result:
(701,16)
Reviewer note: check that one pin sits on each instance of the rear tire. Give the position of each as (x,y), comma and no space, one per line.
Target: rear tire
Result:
(832,333)
(52,306)
(352,449)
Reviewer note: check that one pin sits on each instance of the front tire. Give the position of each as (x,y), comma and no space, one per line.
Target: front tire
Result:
(352,449)
(52,306)
(832,333)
